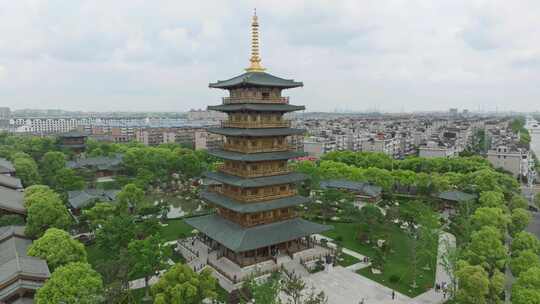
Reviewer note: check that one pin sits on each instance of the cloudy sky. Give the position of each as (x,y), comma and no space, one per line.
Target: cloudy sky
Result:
(158,55)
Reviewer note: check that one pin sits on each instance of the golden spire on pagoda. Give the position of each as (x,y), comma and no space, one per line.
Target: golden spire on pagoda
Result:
(255,60)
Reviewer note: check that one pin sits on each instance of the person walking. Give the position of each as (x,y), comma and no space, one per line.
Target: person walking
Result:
(393,295)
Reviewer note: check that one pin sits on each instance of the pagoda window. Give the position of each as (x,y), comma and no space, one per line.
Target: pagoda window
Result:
(282,188)
(266,95)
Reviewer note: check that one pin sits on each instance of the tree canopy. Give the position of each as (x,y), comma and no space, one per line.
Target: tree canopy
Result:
(72,284)
(181,282)
(47,212)
(57,248)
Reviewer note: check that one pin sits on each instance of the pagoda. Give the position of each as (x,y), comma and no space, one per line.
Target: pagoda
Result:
(254,190)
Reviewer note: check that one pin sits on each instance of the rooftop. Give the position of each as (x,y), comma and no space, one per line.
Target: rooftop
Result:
(256,107)
(256,182)
(6,166)
(257,132)
(240,207)
(80,199)
(456,196)
(100,162)
(12,200)
(366,188)
(259,79)
(238,238)
(10,182)
(253,157)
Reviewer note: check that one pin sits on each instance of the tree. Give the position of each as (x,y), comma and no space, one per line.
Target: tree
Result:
(72,284)
(486,249)
(525,241)
(524,260)
(11,219)
(46,214)
(496,286)
(518,201)
(39,193)
(148,257)
(57,248)
(488,216)
(190,165)
(537,200)
(51,163)
(130,198)
(520,219)
(115,234)
(294,287)
(65,180)
(491,199)
(181,282)
(449,261)
(27,171)
(99,214)
(266,292)
(526,290)
(473,284)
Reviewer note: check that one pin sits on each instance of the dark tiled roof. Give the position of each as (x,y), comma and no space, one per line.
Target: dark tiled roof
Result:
(12,200)
(6,166)
(15,263)
(100,162)
(10,182)
(72,134)
(366,188)
(240,207)
(253,157)
(80,199)
(256,107)
(256,132)
(456,196)
(257,181)
(238,238)
(256,79)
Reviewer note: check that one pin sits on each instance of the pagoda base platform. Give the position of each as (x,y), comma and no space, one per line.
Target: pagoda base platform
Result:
(200,254)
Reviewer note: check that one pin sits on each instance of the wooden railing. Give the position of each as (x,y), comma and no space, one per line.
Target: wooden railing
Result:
(255,197)
(248,149)
(279,100)
(255,124)
(257,173)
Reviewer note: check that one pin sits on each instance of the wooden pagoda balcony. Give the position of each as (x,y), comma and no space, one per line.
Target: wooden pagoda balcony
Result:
(258,149)
(249,198)
(254,173)
(233,100)
(255,124)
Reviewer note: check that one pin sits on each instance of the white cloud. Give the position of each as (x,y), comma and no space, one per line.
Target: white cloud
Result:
(160,55)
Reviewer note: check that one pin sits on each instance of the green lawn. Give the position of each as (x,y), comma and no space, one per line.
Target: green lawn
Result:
(176,229)
(348,260)
(398,262)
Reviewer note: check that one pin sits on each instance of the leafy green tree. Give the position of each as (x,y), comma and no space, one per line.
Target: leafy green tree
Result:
(496,286)
(524,260)
(39,193)
(27,171)
(266,292)
(518,201)
(190,165)
(520,219)
(486,249)
(473,284)
(525,241)
(130,199)
(488,216)
(57,248)
(73,283)
(65,180)
(181,282)
(46,214)
(51,163)
(526,290)
(115,234)
(148,257)
(99,214)
(491,199)
(11,219)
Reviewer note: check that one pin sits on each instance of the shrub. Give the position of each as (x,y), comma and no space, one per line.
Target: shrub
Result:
(394,278)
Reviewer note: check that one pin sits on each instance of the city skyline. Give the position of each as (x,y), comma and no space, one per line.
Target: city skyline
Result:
(159,56)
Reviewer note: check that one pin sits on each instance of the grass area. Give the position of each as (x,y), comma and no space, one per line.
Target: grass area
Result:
(176,229)
(347,260)
(398,261)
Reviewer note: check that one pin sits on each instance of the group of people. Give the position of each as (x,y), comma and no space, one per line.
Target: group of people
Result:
(441,287)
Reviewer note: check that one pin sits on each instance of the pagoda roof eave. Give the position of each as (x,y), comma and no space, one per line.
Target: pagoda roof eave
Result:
(251,132)
(256,107)
(239,239)
(240,207)
(254,157)
(257,181)
(260,79)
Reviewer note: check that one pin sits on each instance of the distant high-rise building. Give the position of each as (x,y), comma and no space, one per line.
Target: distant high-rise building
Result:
(453,112)
(5,116)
